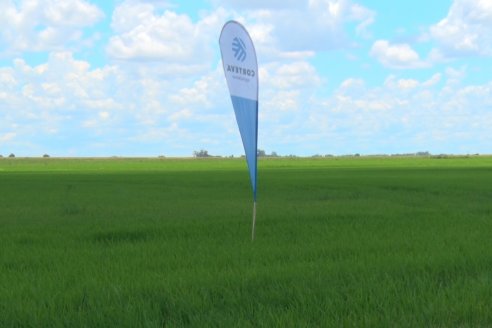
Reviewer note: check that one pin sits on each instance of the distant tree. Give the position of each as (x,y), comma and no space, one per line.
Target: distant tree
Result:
(201,153)
(261,153)
(12,155)
(274,154)
(46,156)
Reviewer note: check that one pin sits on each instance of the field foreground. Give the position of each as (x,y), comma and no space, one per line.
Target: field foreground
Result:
(391,242)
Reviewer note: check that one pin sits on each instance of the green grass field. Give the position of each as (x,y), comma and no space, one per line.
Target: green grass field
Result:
(352,242)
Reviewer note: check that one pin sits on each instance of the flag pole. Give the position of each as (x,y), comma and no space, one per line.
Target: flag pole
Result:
(254,220)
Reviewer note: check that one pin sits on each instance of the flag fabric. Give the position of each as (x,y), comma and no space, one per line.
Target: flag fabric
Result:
(241,72)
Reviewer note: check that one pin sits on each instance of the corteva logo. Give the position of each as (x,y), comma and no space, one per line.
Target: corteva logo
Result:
(239,49)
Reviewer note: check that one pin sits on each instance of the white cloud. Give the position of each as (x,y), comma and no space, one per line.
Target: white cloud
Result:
(295,75)
(396,55)
(7,136)
(287,89)
(435,79)
(407,84)
(260,4)
(109,110)
(283,34)
(352,83)
(106,111)
(135,106)
(466,30)
(143,33)
(8,83)
(403,115)
(286,101)
(392,82)
(365,16)
(203,93)
(301,26)
(61,90)
(151,37)
(35,25)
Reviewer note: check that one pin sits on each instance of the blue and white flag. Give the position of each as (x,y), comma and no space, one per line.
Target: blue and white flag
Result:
(241,72)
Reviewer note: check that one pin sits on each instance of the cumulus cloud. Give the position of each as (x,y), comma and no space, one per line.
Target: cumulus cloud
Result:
(35,25)
(392,82)
(59,94)
(302,27)
(109,110)
(293,75)
(203,93)
(287,89)
(133,106)
(399,55)
(403,115)
(288,32)
(143,33)
(466,30)
(102,111)
(146,35)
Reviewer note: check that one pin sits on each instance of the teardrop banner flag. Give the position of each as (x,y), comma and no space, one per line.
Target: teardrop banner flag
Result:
(241,72)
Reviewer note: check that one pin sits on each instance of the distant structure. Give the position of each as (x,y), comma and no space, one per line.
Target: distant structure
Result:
(201,153)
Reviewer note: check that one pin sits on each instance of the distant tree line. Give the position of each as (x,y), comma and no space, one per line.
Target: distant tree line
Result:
(263,154)
(201,153)
(12,155)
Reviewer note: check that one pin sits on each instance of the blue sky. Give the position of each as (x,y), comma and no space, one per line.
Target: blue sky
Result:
(143,77)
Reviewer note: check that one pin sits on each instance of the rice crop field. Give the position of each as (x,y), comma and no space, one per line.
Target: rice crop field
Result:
(340,242)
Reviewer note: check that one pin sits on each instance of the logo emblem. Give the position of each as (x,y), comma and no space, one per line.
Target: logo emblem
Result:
(239,49)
